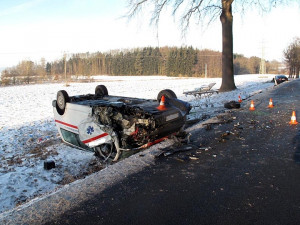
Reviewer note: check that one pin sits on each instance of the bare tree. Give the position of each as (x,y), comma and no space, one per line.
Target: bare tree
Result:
(26,70)
(292,57)
(201,8)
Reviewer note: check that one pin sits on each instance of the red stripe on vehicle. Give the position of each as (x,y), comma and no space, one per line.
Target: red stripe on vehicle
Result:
(153,143)
(66,124)
(95,138)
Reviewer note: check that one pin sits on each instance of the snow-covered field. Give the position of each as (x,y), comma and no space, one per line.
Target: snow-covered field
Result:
(28,135)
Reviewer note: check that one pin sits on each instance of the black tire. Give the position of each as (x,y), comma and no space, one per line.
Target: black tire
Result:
(61,101)
(167,93)
(232,105)
(101,91)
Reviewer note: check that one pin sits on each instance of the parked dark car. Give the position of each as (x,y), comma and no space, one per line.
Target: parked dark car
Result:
(279,79)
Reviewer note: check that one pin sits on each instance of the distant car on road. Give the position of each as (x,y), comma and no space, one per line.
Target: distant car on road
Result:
(280,79)
(109,124)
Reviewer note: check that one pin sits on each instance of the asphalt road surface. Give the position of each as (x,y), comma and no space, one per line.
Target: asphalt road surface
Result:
(243,170)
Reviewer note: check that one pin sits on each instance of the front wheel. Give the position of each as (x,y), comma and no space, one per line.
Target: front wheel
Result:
(107,152)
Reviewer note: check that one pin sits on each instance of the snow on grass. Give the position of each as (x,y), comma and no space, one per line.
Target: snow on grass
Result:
(28,135)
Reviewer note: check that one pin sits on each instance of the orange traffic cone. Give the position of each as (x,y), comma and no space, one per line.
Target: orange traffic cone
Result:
(252,108)
(240,99)
(162,104)
(293,119)
(270,104)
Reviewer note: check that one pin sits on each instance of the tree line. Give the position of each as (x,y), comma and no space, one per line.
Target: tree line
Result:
(170,61)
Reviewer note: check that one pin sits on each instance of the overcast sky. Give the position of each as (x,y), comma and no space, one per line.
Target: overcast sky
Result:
(32,29)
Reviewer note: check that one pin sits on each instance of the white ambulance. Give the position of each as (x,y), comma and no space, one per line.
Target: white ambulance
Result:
(109,124)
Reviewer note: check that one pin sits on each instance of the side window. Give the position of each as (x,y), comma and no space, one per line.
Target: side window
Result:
(73,139)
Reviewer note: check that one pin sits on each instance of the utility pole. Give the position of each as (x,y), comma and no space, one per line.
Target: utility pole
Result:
(205,70)
(262,68)
(27,71)
(65,67)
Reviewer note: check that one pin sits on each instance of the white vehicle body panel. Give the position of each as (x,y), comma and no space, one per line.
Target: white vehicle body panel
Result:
(78,119)
(91,133)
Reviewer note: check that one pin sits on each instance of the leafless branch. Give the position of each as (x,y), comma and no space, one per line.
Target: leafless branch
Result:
(135,7)
(195,8)
(200,10)
(160,4)
(177,5)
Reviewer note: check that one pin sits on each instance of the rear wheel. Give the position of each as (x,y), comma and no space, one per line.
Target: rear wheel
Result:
(61,101)
(101,91)
(167,93)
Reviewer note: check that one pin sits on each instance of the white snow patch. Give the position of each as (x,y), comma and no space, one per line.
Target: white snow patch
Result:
(28,135)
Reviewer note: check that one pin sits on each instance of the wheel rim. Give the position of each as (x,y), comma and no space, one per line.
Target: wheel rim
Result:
(106,151)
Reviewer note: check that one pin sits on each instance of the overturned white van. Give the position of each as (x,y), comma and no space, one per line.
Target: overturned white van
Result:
(109,124)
